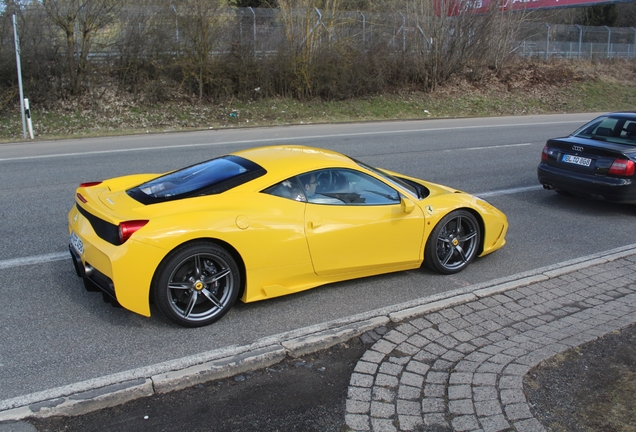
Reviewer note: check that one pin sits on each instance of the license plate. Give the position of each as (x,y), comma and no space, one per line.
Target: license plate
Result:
(77,243)
(577,160)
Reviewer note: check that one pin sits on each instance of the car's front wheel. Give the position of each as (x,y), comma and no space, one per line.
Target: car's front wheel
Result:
(197,284)
(453,243)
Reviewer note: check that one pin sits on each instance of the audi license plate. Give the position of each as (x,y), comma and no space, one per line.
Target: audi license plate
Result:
(77,243)
(577,160)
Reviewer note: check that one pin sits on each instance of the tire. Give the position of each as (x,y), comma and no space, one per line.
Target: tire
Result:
(197,284)
(453,243)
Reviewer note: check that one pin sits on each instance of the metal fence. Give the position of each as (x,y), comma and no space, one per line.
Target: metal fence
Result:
(262,28)
(576,42)
(264,32)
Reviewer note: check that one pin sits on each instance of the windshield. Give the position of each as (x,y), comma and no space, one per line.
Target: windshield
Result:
(210,177)
(616,128)
(391,179)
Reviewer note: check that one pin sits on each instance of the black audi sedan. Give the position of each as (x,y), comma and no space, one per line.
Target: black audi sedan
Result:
(596,161)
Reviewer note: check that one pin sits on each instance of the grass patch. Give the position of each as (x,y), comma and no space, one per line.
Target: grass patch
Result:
(588,388)
(525,92)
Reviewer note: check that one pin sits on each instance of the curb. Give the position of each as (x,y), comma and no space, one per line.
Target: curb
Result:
(218,369)
(112,390)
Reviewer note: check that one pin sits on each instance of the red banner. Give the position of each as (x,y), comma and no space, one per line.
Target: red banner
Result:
(455,7)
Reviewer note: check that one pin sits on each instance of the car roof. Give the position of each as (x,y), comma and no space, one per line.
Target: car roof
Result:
(292,159)
(628,114)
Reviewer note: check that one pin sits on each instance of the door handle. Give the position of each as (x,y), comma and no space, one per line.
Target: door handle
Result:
(314,224)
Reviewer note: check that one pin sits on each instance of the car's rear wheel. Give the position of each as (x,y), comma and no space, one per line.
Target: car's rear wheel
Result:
(197,284)
(453,243)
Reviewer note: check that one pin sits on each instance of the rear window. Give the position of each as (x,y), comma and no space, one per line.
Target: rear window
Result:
(206,178)
(618,129)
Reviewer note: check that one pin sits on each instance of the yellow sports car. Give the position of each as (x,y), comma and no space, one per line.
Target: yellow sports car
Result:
(263,223)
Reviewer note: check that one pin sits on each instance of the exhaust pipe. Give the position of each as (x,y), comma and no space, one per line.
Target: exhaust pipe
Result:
(547,187)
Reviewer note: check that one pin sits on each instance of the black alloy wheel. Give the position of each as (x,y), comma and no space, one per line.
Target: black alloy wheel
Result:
(197,284)
(453,243)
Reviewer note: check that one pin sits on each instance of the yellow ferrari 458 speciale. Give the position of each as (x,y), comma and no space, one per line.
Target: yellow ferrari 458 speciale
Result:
(263,223)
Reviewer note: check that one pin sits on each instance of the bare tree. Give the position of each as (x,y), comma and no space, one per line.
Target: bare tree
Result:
(145,33)
(448,37)
(308,24)
(80,21)
(203,27)
(626,14)
(8,87)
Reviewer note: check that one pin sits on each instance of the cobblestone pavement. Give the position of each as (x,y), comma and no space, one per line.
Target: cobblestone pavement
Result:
(461,368)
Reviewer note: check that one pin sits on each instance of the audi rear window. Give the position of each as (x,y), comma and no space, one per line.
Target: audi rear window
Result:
(619,129)
(207,178)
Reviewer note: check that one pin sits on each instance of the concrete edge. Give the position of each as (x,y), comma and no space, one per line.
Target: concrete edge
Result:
(497,289)
(574,267)
(81,398)
(301,346)
(218,369)
(84,402)
(430,307)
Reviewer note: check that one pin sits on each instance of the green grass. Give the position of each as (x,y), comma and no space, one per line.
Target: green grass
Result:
(105,119)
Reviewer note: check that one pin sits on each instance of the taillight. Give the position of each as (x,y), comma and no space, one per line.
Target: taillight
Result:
(81,198)
(544,153)
(128,228)
(622,167)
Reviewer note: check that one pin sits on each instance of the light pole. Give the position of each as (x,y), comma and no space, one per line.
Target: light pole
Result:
(17,60)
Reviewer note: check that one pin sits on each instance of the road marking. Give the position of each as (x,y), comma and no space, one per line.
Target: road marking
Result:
(59,256)
(269,140)
(490,147)
(36,259)
(508,191)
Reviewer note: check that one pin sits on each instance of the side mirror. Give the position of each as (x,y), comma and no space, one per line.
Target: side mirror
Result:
(407,205)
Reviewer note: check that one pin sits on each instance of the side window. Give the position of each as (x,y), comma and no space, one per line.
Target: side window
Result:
(319,189)
(346,187)
(289,189)
(629,130)
(606,128)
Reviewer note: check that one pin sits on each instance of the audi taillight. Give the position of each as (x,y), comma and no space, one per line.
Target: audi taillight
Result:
(128,228)
(544,153)
(622,167)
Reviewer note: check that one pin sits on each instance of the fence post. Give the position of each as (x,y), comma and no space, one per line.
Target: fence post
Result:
(403,32)
(364,26)
(634,39)
(176,22)
(580,37)
(609,35)
(253,26)
(547,41)
(319,18)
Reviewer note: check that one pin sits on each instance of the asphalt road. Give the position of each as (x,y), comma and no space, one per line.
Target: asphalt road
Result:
(55,333)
